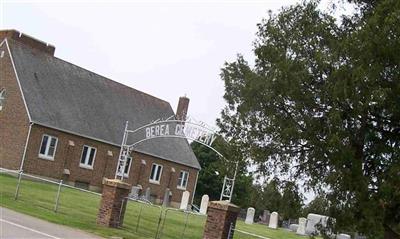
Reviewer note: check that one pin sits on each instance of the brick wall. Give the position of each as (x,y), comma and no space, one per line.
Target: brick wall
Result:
(27,40)
(68,157)
(142,177)
(14,122)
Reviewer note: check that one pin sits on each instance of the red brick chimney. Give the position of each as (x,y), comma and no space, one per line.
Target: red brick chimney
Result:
(27,40)
(183,105)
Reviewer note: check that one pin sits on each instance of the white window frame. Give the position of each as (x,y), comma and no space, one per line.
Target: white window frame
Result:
(46,151)
(160,168)
(126,175)
(3,93)
(86,165)
(180,186)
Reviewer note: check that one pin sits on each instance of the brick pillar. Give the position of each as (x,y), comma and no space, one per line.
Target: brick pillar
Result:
(220,215)
(114,191)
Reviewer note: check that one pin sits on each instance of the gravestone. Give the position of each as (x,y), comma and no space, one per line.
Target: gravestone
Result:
(264,218)
(285,224)
(273,220)
(167,195)
(293,227)
(185,200)
(135,191)
(313,220)
(293,221)
(147,195)
(204,204)
(250,215)
(343,236)
(301,230)
(359,236)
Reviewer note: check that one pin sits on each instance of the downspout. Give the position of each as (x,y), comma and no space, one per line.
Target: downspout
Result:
(26,146)
(170,177)
(195,186)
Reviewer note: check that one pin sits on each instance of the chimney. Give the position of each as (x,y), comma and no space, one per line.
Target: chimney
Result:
(27,40)
(183,105)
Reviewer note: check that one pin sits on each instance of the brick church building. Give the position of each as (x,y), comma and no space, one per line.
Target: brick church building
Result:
(61,121)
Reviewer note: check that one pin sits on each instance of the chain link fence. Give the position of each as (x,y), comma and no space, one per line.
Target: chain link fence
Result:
(48,194)
(160,222)
(182,224)
(142,218)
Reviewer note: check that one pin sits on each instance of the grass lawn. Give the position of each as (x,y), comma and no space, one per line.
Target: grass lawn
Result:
(79,210)
(263,230)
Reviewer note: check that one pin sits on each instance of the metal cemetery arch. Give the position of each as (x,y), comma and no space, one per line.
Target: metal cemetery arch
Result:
(196,131)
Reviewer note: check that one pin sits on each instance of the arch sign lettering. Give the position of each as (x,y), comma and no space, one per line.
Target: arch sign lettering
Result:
(171,128)
(188,130)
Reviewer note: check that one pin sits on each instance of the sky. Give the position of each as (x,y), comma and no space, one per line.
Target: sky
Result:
(165,48)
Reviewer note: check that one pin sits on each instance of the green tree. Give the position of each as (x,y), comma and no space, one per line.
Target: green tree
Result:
(255,199)
(214,168)
(209,181)
(292,201)
(271,197)
(322,101)
(319,205)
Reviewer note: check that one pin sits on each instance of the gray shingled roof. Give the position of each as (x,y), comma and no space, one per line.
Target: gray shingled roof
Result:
(67,97)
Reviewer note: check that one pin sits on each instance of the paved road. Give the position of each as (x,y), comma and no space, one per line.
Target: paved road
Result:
(17,225)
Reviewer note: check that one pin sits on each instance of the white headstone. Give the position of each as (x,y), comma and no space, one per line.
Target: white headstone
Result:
(301,230)
(185,200)
(273,220)
(313,220)
(204,204)
(293,227)
(343,236)
(250,215)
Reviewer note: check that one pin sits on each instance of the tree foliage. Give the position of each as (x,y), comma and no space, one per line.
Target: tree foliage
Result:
(208,182)
(319,205)
(322,104)
(214,168)
(292,201)
(271,196)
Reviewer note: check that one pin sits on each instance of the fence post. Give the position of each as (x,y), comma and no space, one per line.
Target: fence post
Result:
(58,196)
(186,221)
(160,233)
(124,204)
(140,215)
(159,222)
(230,231)
(19,182)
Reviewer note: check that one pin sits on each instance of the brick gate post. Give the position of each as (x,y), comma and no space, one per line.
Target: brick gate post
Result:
(112,209)
(220,216)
